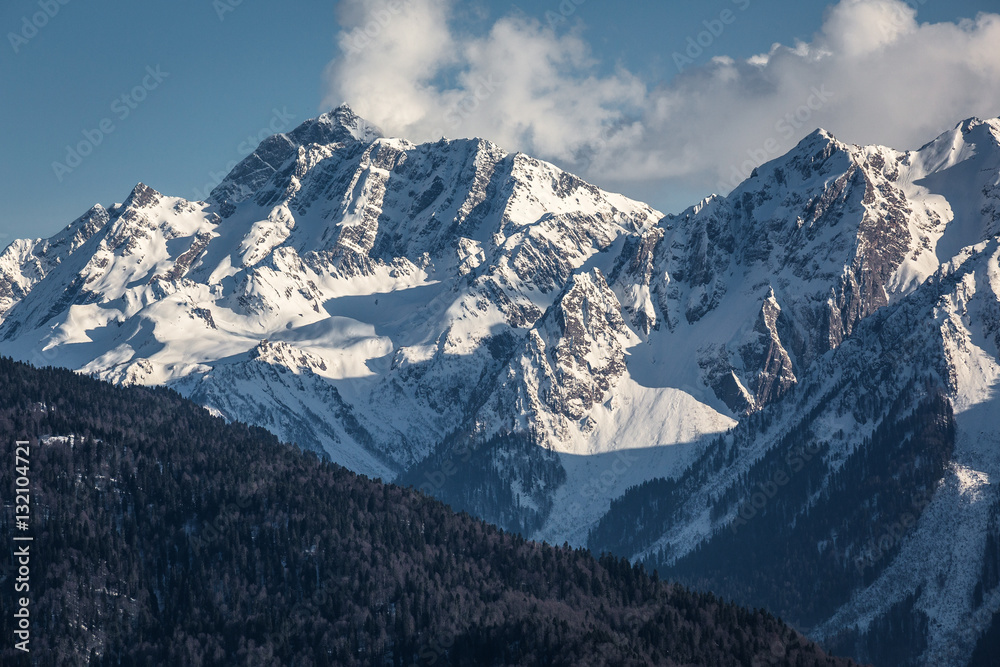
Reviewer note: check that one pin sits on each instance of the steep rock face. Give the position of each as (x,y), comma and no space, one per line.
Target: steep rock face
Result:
(588,357)
(393,282)
(341,127)
(569,362)
(764,350)
(873,473)
(825,235)
(24,262)
(403,307)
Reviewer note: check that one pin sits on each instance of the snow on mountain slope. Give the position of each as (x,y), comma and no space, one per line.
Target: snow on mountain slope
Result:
(757,285)
(727,304)
(926,557)
(417,291)
(25,262)
(398,305)
(941,561)
(639,434)
(394,279)
(957,175)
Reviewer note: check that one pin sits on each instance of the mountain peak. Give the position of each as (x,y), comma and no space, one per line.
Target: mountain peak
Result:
(947,149)
(345,117)
(970,124)
(141,196)
(340,125)
(818,137)
(979,128)
(344,114)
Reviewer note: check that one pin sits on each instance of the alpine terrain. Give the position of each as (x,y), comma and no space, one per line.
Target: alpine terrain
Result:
(786,395)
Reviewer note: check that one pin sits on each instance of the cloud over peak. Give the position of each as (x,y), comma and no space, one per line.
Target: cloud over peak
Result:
(870,74)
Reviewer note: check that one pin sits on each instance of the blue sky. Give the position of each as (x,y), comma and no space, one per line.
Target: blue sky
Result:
(172,94)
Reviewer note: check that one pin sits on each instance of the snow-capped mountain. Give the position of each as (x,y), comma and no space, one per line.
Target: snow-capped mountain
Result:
(501,334)
(864,504)
(353,293)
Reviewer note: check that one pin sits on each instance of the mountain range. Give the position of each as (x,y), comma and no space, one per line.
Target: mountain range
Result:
(785,395)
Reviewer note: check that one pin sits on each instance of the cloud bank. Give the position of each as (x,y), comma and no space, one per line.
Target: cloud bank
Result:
(871,74)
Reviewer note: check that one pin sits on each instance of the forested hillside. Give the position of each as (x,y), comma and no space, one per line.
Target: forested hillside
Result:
(163,535)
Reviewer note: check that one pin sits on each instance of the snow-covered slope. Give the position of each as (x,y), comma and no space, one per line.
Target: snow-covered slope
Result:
(529,347)
(863,504)
(784,268)
(922,546)
(353,293)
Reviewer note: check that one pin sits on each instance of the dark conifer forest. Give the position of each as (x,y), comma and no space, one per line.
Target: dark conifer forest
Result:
(822,535)
(165,536)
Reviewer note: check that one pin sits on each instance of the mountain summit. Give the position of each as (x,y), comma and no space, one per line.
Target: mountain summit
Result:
(503,335)
(340,127)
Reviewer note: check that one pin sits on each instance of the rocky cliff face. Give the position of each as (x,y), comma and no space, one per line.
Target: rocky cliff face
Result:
(815,241)
(863,499)
(509,337)
(390,282)
(861,502)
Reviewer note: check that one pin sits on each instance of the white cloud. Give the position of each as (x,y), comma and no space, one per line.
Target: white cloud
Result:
(856,28)
(391,57)
(871,74)
(520,84)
